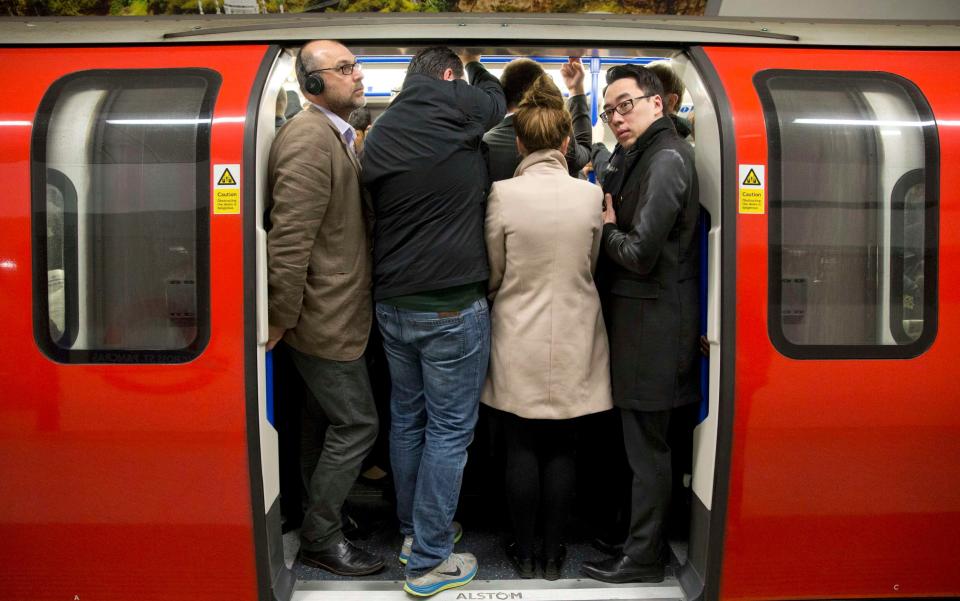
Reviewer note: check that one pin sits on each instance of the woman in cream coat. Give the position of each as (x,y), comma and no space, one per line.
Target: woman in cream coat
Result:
(549,359)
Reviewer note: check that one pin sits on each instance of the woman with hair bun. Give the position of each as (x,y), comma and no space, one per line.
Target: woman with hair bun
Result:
(549,359)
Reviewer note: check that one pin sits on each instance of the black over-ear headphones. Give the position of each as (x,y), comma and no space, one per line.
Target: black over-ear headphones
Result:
(312,83)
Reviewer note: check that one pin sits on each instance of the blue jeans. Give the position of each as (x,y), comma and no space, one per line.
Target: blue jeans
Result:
(438,363)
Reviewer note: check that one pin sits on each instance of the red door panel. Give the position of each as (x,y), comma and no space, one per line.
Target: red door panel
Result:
(844,473)
(122,482)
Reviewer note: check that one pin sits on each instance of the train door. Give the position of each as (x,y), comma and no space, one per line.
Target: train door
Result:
(482,497)
(841,408)
(127,465)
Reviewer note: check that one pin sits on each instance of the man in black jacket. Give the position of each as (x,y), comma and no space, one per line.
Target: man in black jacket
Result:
(650,289)
(517,77)
(424,168)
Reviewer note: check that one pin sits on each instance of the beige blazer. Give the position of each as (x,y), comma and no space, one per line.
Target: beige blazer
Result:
(319,254)
(549,357)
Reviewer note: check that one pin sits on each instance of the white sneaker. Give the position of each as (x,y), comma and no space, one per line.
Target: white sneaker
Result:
(406,549)
(407,546)
(456,570)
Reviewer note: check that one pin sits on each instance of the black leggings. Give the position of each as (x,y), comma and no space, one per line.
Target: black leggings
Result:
(540,479)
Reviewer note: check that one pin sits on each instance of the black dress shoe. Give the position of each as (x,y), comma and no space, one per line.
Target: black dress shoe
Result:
(553,566)
(620,570)
(343,559)
(524,565)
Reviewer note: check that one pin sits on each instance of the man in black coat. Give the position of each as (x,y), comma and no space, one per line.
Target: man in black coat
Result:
(650,288)
(517,77)
(426,175)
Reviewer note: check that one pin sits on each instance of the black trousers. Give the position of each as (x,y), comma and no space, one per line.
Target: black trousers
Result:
(645,439)
(540,479)
(603,477)
(288,394)
(379,372)
(343,400)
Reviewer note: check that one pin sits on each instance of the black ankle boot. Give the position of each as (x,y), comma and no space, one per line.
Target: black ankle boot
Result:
(524,565)
(553,566)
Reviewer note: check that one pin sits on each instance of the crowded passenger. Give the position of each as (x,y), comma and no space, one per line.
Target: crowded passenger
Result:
(549,361)
(361,122)
(607,163)
(599,161)
(319,273)
(684,419)
(440,245)
(517,77)
(650,287)
(294,105)
(280,115)
(424,168)
(673,90)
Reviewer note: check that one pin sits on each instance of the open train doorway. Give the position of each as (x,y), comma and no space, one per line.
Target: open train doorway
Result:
(603,478)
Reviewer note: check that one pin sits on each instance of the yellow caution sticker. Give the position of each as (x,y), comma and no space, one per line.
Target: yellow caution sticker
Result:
(226,189)
(226,179)
(752,189)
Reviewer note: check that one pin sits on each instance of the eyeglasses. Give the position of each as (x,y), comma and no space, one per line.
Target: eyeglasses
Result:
(623,108)
(343,69)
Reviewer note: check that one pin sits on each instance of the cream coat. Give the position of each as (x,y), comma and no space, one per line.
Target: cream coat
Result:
(549,357)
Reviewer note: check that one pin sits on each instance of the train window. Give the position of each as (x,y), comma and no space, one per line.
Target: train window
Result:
(61,257)
(121,185)
(854,170)
(906,266)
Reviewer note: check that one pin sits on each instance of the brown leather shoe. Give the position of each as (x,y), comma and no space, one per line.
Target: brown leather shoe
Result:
(343,559)
(620,570)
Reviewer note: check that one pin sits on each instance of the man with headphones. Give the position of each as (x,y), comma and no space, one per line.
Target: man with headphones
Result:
(320,306)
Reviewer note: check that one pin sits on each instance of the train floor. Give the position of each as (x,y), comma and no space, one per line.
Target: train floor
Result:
(485,535)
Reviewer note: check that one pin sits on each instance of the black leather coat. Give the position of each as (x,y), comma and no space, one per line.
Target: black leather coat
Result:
(650,270)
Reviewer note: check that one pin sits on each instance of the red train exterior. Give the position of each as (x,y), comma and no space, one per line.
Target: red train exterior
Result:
(843,477)
(836,478)
(133,480)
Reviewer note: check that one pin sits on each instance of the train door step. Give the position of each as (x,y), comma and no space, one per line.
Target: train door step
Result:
(493,590)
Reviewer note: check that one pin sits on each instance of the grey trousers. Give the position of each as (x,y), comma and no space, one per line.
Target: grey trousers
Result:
(343,400)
